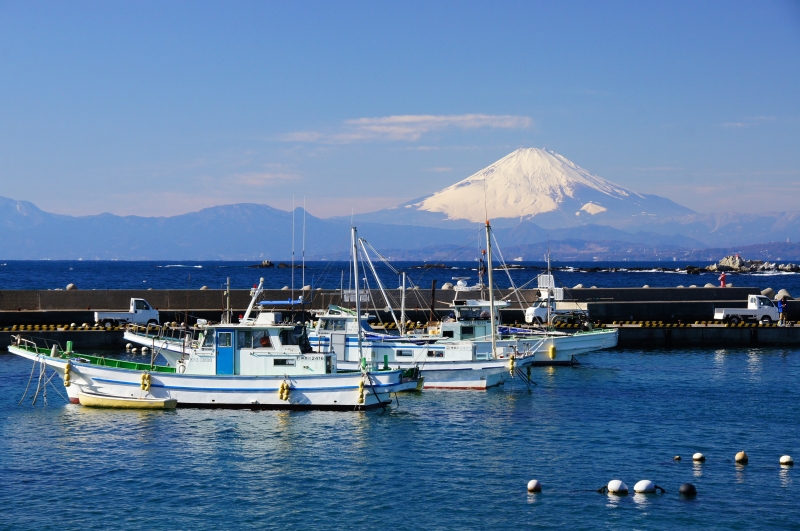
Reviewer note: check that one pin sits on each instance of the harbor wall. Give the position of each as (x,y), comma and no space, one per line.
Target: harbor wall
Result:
(674,305)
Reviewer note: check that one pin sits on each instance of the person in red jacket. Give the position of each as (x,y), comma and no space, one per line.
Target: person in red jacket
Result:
(722,280)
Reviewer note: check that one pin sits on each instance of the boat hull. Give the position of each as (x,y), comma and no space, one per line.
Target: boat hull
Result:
(337,391)
(482,374)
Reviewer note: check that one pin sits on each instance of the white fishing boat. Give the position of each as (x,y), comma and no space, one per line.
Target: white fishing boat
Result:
(458,353)
(462,352)
(264,364)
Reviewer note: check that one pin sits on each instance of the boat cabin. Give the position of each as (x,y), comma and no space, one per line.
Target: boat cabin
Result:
(259,347)
(471,320)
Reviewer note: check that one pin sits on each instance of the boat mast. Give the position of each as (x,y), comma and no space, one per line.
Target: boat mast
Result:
(491,285)
(549,288)
(354,237)
(403,307)
(291,306)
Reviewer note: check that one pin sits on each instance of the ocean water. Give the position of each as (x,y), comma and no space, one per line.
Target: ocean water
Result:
(438,460)
(47,274)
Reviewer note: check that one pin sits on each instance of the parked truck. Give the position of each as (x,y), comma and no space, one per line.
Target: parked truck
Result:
(759,308)
(139,313)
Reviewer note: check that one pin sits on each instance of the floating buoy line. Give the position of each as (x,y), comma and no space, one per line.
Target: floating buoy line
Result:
(617,487)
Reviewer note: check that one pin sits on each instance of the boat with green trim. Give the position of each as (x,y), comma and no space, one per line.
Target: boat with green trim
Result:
(266,365)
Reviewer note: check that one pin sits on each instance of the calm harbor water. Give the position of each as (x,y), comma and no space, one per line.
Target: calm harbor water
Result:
(441,460)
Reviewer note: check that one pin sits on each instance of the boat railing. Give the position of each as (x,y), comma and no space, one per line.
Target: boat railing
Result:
(165,332)
(30,344)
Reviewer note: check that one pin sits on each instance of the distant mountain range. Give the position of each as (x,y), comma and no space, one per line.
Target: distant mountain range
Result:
(532,185)
(532,196)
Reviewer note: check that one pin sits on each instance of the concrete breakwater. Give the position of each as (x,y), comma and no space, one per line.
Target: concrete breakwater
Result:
(672,310)
(604,305)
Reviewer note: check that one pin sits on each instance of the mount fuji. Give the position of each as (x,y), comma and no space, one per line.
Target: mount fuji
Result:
(536,185)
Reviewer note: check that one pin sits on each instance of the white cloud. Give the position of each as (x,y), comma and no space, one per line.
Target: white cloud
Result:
(408,127)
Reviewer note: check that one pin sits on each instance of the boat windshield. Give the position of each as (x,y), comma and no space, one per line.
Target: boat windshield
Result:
(297,337)
(208,340)
(471,314)
(333,324)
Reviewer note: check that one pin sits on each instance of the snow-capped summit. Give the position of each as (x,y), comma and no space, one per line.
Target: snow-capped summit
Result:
(523,184)
(533,184)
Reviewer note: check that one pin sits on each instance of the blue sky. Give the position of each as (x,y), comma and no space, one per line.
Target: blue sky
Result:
(159,108)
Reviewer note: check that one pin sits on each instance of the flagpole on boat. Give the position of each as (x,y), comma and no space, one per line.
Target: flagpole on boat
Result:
(291,299)
(491,285)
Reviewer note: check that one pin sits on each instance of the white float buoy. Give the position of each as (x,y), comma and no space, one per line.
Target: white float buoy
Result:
(676,458)
(787,460)
(128,346)
(645,486)
(741,458)
(133,349)
(698,457)
(534,486)
(616,486)
(144,349)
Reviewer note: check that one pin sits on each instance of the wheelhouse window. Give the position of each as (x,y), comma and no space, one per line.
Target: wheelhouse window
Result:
(208,339)
(403,353)
(244,339)
(297,337)
(283,362)
(333,324)
(224,339)
(261,339)
(471,314)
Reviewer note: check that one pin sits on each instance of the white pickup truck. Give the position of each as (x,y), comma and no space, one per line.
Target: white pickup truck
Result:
(139,313)
(759,308)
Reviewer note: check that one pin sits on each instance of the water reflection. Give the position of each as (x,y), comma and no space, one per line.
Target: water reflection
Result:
(740,472)
(697,469)
(754,364)
(786,476)
(719,364)
(614,500)
(641,500)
